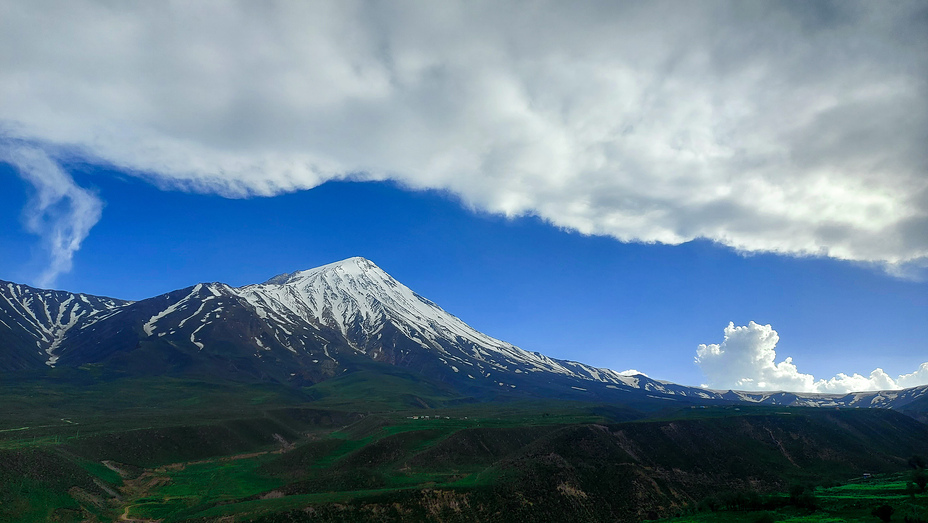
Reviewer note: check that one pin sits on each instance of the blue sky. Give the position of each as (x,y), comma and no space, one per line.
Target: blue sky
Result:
(628,185)
(587,298)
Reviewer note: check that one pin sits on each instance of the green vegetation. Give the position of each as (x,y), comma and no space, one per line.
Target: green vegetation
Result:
(861,499)
(101,448)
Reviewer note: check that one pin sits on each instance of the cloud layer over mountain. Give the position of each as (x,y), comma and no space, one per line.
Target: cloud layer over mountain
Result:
(789,127)
(746,360)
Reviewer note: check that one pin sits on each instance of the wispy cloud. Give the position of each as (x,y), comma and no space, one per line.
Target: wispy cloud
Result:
(59,211)
(789,127)
(746,360)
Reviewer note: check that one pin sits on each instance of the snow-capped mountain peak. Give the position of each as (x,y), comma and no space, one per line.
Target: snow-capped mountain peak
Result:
(356,295)
(312,325)
(356,266)
(361,301)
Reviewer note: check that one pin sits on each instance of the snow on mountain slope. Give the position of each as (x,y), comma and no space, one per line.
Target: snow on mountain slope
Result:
(198,298)
(48,315)
(310,325)
(358,299)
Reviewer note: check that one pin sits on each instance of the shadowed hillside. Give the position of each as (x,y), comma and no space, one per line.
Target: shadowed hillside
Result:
(280,457)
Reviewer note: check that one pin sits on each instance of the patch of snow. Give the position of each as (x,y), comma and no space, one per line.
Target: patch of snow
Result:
(199,310)
(149,326)
(193,339)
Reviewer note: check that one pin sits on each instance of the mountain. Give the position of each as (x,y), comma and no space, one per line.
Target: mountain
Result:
(35,322)
(310,326)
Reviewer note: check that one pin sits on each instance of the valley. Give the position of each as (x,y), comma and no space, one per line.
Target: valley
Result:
(188,450)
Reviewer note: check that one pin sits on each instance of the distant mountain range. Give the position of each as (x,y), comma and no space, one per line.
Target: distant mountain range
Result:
(308,326)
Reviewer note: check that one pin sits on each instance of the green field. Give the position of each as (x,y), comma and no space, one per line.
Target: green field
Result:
(369,448)
(187,448)
(854,501)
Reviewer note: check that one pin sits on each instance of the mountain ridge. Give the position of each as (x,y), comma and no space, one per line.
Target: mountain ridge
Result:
(307,326)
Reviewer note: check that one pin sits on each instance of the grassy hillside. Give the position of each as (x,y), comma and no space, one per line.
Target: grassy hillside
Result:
(861,499)
(394,448)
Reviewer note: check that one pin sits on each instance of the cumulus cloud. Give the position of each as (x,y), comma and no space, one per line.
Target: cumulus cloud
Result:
(746,360)
(59,211)
(787,127)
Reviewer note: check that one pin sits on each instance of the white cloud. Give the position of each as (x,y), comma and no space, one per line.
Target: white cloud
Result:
(746,360)
(795,128)
(633,372)
(919,377)
(60,211)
